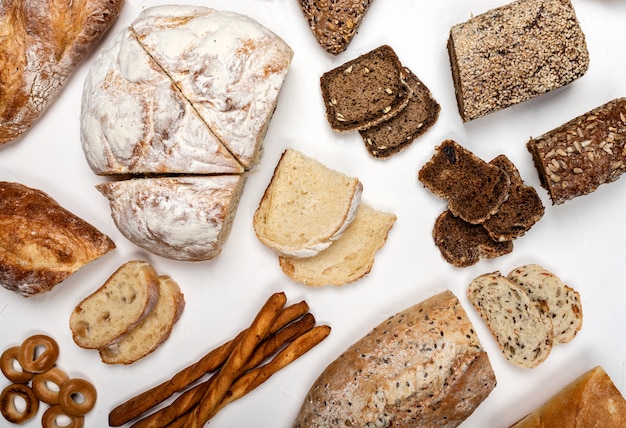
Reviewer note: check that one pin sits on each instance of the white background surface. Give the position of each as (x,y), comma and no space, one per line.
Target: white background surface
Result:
(580,241)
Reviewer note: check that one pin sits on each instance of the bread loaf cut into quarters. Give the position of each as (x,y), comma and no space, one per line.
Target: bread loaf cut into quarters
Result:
(306,206)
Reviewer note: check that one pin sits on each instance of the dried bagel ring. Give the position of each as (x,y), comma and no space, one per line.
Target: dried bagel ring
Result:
(41,386)
(51,416)
(7,361)
(32,359)
(77,397)
(8,405)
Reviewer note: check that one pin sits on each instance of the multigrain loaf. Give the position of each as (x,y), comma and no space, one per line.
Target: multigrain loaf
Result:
(424,366)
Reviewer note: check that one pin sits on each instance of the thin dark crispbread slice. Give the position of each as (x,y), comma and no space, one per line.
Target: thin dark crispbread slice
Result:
(463,244)
(365,91)
(335,23)
(474,188)
(522,209)
(582,154)
(397,133)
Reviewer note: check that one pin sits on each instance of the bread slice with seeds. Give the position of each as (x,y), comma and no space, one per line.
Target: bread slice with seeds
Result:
(563,302)
(521,326)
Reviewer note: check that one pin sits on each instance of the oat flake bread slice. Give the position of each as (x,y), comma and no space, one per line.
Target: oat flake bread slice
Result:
(365,91)
(515,52)
(153,330)
(563,302)
(423,367)
(474,188)
(306,206)
(522,328)
(115,308)
(349,258)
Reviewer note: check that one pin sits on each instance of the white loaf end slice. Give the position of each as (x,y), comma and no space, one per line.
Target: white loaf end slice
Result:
(349,258)
(114,309)
(563,302)
(153,330)
(306,206)
(521,327)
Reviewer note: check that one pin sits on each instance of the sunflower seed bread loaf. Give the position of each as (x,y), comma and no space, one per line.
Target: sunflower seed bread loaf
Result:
(424,366)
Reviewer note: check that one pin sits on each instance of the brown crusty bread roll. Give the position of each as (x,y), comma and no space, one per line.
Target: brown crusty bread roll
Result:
(42,44)
(421,367)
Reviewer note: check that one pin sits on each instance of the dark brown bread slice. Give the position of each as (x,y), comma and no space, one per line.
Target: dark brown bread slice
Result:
(463,244)
(515,52)
(334,23)
(365,91)
(397,133)
(474,189)
(580,155)
(519,212)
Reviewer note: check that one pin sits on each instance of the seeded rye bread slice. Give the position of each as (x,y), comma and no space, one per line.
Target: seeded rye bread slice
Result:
(423,367)
(115,308)
(335,23)
(521,327)
(365,91)
(563,302)
(474,189)
(397,133)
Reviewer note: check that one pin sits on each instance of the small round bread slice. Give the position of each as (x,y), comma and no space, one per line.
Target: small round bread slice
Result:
(563,302)
(521,327)
(306,206)
(115,308)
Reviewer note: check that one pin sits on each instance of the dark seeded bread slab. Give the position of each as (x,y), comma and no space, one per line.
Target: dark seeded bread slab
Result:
(335,23)
(522,209)
(474,188)
(365,91)
(515,52)
(397,133)
(582,154)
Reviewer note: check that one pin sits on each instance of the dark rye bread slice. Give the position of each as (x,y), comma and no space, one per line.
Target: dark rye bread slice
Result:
(522,209)
(474,188)
(577,157)
(463,244)
(515,52)
(334,23)
(365,91)
(397,133)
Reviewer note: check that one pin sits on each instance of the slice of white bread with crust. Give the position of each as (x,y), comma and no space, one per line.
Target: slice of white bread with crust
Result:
(563,302)
(306,206)
(349,258)
(153,330)
(115,308)
(521,327)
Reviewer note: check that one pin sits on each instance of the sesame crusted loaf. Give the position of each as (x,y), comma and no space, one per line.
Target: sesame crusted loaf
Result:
(588,151)
(521,327)
(365,91)
(515,52)
(424,366)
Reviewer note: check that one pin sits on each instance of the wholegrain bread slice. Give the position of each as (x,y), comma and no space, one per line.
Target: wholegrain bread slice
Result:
(306,206)
(521,326)
(349,258)
(153,330)
(114,309)
(562,302)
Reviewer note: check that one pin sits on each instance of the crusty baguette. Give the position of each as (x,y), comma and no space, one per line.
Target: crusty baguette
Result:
(421,367)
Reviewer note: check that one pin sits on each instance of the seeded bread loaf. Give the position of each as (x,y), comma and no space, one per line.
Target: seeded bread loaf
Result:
(424,366)
(515,52)
(115,308)
(588,151)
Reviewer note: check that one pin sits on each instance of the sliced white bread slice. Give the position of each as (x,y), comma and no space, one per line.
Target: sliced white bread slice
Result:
(115,308)
(153,330)
(349,258)
(306,206)
(563,302)
(521,327)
